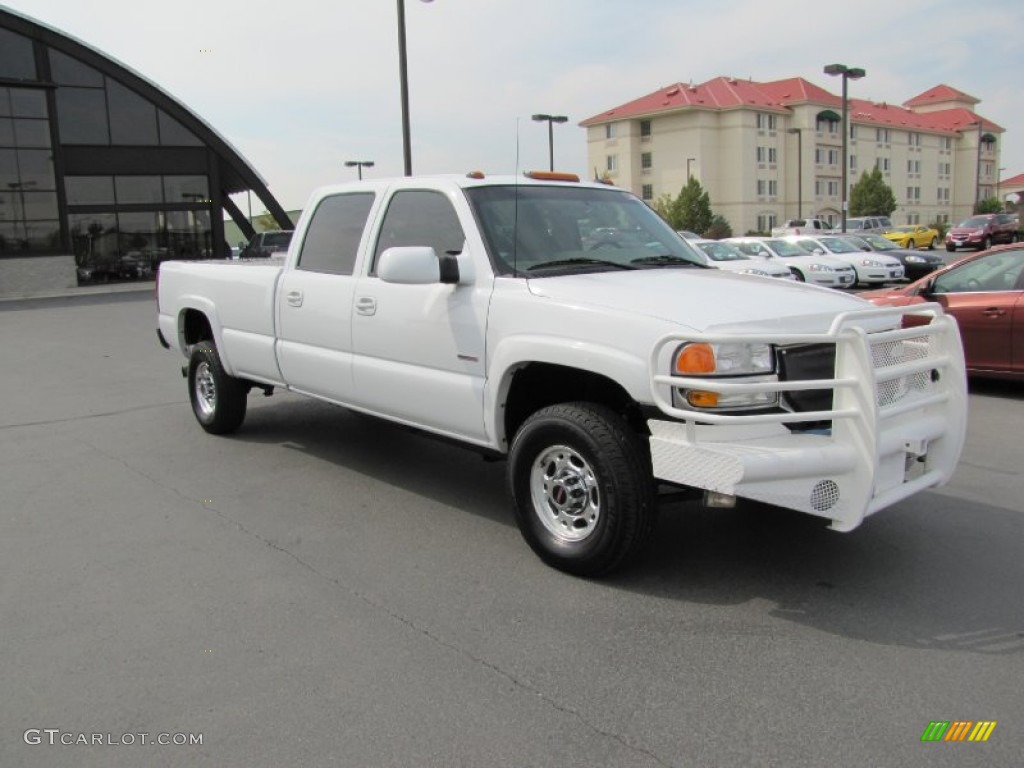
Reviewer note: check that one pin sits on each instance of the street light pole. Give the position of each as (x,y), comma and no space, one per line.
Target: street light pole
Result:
(688,161)
(403,75)
(360,164)
(847,73)
(551,120)
(799,171)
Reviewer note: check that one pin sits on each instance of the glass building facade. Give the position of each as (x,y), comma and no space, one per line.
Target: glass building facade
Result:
(102,174)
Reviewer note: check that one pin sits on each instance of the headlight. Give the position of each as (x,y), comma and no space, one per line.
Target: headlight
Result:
(820,268)
(871,263)
(915,259)
(755,362)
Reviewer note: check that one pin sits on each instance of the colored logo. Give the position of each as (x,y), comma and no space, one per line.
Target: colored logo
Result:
(958,730)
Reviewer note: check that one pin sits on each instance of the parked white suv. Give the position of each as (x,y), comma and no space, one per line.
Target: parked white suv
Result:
(861,224)
(802,227)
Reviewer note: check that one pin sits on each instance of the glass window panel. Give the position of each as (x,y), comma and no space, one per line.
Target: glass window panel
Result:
(69,71)
(82,116)
(31,133)
(132,118)
(6,132)
(420,217)
(16,57)
(36,206)
(174,134)
(332,240)
(89,190)
(94,243)
(185,189)
(138,189)
(28,102)
(20,236)
(36,167)
(138,240)
(188,234)
(8,168)
(5,102)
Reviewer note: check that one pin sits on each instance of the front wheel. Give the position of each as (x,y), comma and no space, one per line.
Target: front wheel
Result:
(933,243)
(582,485)
(218,400)
(986,244)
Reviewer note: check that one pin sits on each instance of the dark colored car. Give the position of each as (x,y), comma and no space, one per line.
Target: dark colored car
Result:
(985,293)
(982,232)
(266,244)
(915,263)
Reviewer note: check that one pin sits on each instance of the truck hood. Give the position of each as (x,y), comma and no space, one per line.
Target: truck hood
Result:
(704,299)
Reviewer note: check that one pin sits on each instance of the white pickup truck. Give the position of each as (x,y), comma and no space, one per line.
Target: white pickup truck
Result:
(565,326)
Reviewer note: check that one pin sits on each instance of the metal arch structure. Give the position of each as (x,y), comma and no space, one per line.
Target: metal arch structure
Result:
(228,171)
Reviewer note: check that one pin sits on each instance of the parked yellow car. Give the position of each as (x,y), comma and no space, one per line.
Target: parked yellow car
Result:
(913,236)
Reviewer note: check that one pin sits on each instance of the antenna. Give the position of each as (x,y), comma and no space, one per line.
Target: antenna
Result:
(515,210)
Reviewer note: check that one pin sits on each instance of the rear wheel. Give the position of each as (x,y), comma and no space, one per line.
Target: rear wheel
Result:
(933,243)
(909,244)
(583,490)
(218,400)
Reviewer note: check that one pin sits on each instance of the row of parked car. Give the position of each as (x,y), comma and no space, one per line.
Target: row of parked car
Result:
(980,232)
(830,260)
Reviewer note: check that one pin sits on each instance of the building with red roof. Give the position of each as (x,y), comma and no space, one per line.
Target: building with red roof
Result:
(768,151)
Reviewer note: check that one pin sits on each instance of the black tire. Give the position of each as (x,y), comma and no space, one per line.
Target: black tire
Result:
(218,400)
(951,248)
(799,276)
(986,244)
(583,458)
(933,243)
(909,244)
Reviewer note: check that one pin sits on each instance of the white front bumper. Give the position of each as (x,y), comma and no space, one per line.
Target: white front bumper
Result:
(898,421)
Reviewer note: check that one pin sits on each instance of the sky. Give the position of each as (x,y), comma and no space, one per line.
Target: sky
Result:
(300,87)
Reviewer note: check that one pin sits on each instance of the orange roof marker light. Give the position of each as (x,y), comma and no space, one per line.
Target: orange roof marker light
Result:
(550,176)
(475,175)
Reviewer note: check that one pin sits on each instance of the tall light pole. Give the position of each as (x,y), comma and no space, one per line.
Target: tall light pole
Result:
(360,164)
(799,170)
(688,161)
(847,73)
(551,119)
(403,74)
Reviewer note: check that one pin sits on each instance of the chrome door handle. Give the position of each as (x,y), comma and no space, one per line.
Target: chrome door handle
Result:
(294,298)
(366,305)
(993,312)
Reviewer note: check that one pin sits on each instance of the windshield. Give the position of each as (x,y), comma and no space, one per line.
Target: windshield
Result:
(752,249)
(531,229)
(838,245)
(279,239)
(786,248)
(721,252)
(877,242)
(854,224)
(976,221)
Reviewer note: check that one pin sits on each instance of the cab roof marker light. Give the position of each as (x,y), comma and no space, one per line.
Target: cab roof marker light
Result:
(550,176)
(475,175)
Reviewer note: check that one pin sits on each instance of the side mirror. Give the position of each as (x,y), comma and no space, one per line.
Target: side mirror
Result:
(417,265)
(927,287)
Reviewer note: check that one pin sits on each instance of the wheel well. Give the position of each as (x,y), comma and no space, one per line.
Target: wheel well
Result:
(538,385)
(195,326)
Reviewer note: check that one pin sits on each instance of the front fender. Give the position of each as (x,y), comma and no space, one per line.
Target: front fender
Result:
(626,369)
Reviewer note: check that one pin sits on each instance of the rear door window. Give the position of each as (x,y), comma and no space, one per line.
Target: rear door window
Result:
(331,243)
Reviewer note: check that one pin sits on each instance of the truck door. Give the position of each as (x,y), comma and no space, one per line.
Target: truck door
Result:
(314,300)
(419,349)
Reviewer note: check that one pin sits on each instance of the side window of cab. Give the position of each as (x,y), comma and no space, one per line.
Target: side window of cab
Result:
(331,243)
(419,217)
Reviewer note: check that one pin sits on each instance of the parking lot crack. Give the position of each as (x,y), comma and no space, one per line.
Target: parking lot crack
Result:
(86,416)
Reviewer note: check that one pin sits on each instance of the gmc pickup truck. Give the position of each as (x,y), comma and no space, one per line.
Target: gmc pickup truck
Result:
(565,327)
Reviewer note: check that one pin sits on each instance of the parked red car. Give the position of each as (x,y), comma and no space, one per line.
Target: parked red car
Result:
(982,232)
(985,293)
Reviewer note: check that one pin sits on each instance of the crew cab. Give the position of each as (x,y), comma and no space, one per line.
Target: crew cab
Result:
(567,328)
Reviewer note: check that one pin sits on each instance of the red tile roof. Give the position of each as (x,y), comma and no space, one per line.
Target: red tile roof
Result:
(1013,181)
(938,95)
(723,93)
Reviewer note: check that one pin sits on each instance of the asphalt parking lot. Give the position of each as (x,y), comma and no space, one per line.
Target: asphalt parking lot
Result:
(324,589)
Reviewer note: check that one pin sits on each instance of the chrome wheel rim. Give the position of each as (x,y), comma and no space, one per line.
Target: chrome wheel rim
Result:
(205,389)
(565,495)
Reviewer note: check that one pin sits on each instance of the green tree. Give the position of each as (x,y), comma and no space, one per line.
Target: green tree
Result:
(871,196)
(719,229)
(266,221)
(694,207)
(989,205)
(690,210)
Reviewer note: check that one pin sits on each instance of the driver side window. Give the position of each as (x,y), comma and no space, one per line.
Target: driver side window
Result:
(420,217)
